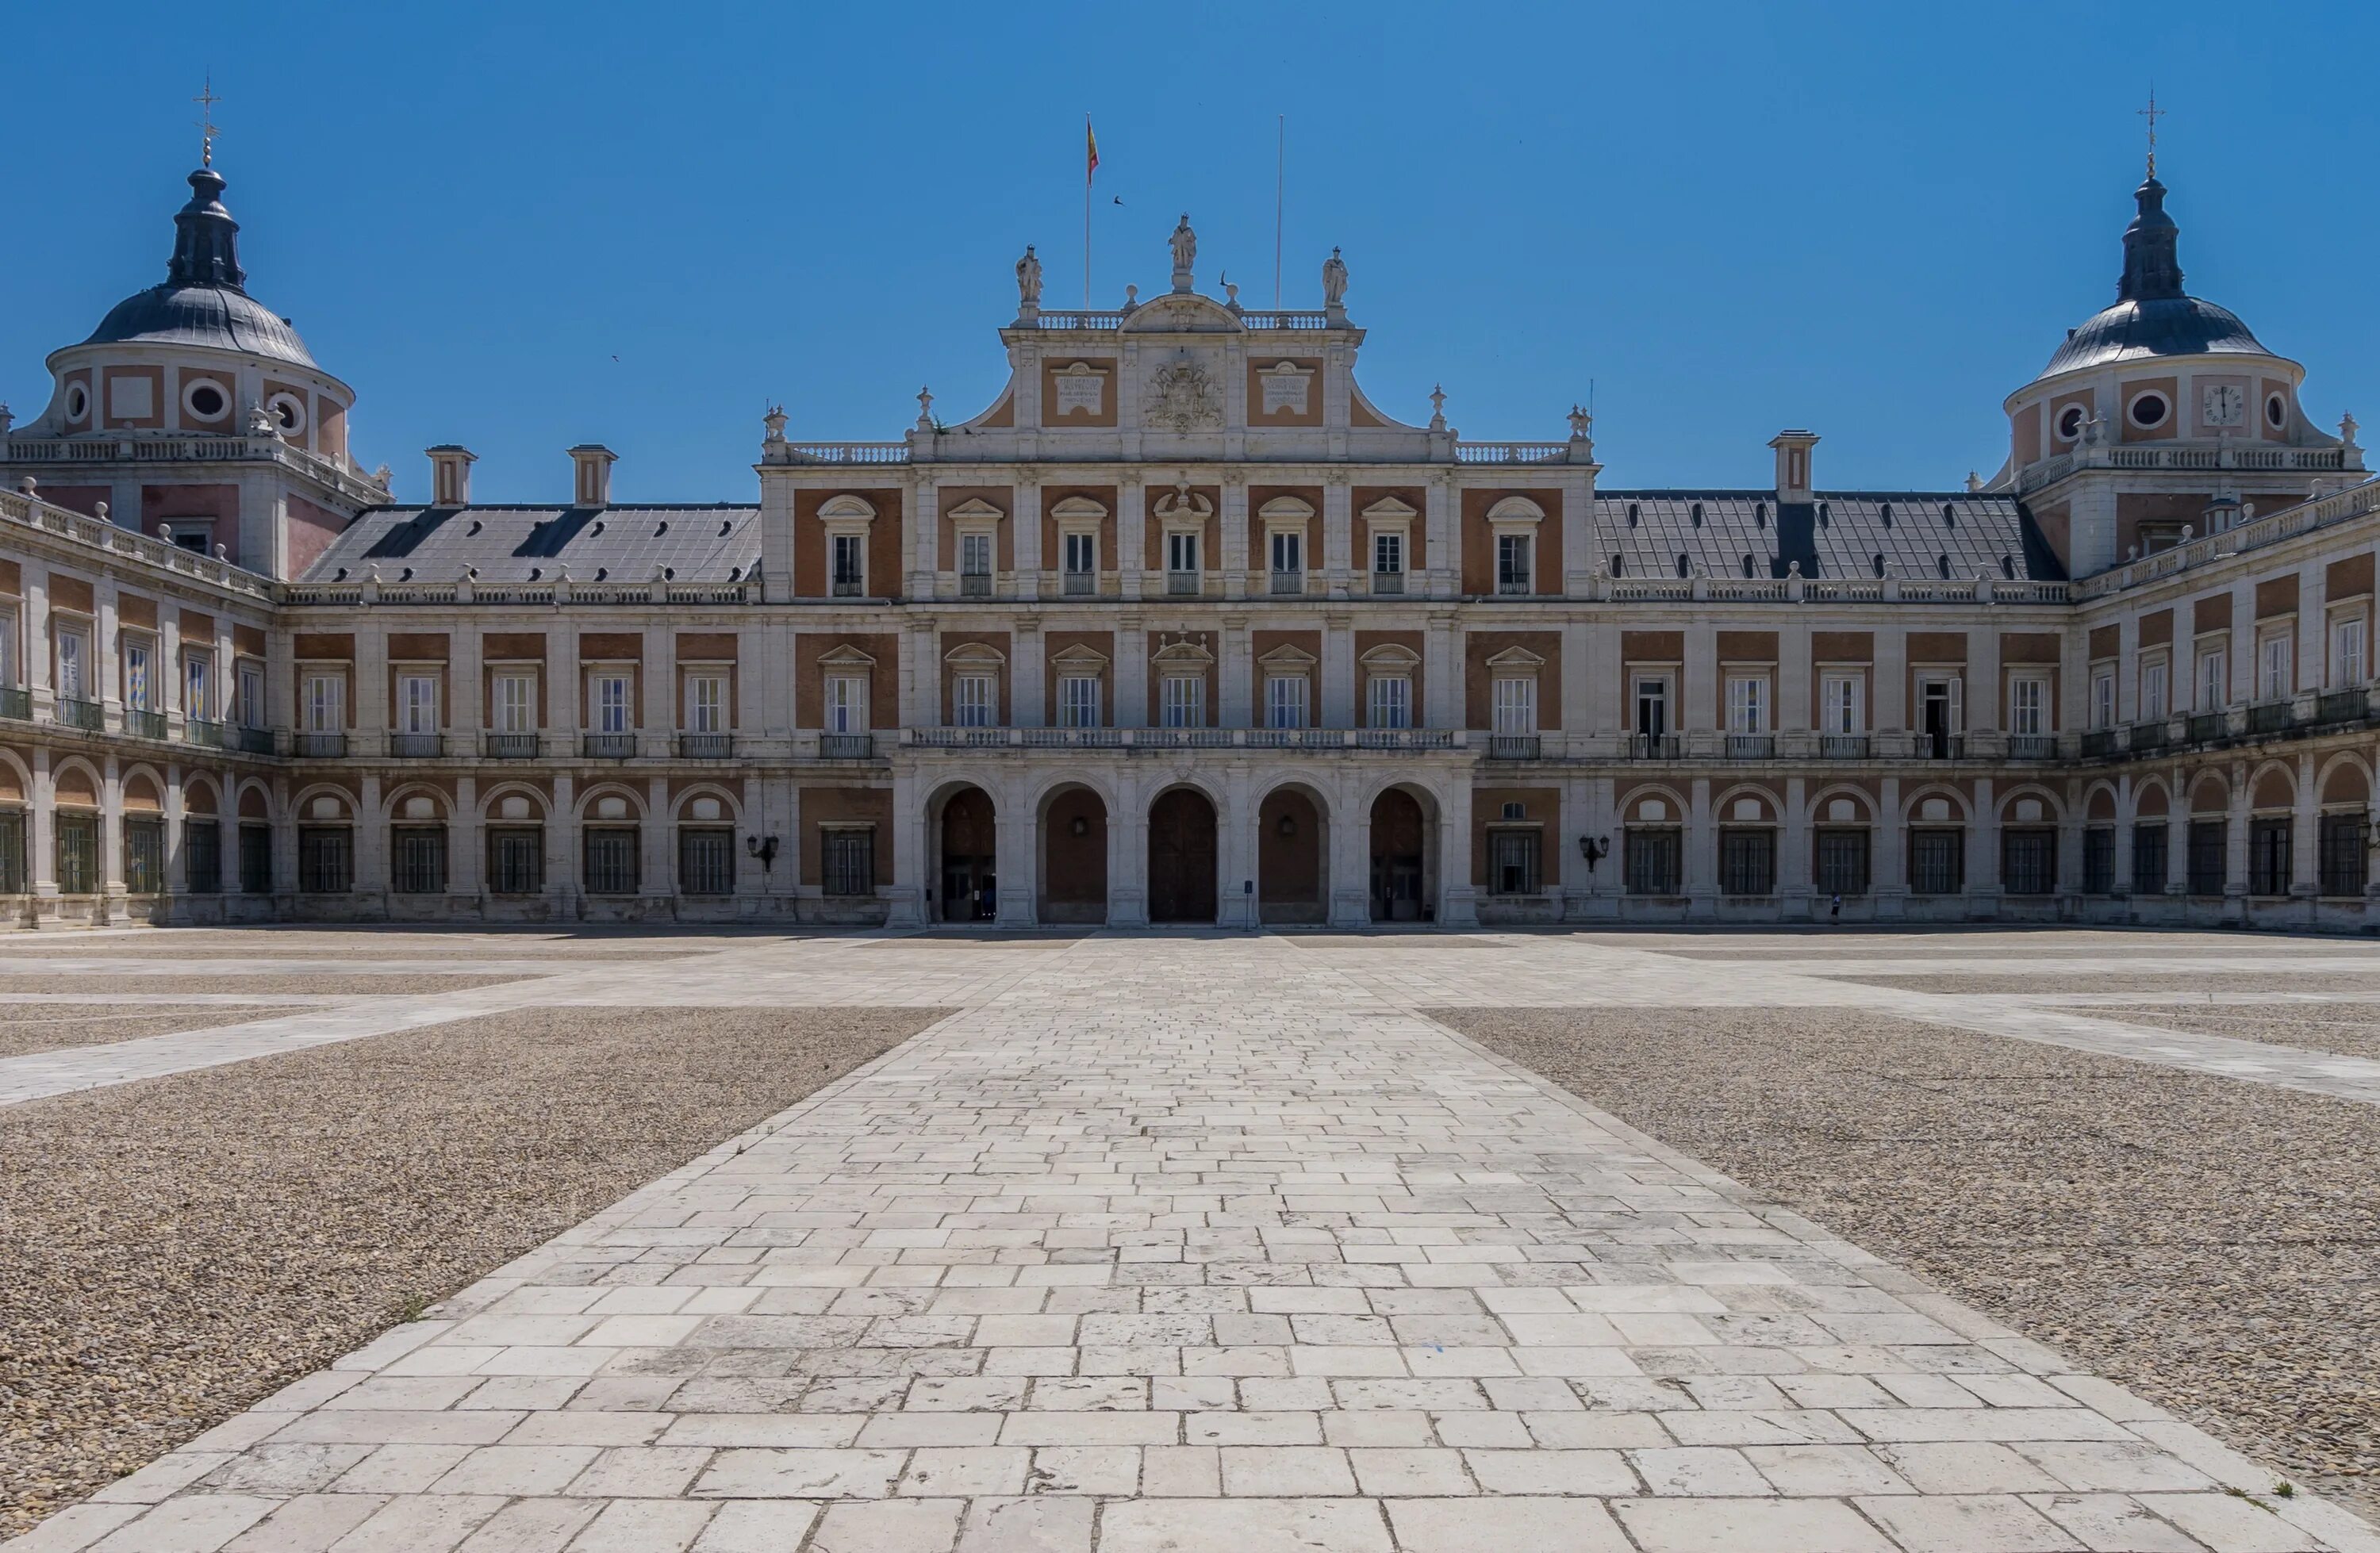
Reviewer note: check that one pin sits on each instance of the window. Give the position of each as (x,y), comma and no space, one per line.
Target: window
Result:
(706,704)
(2273,676)
(12,851)
(1843,862)
(8,673)
(1747,861)
(327,703)
(2343,868)
(848,554)
(515,708)
(974,702)
(2149,857)
(325,859)
(2029,862)
(705,860)
(78,843)
(611,859)
(1389,702)
(610,695)
(975,556)
(1512,862)
(846,704)
(1512,570)
(1082,553)
(1288,560)
(140,674)
(1387,555)
(417,704)
(2153,699)
(849,864)
(2028,697)
(2208,868)
(256,859)
(1747,705)
(417,860)
(199,686)
(1652,861)
(1515,706)
(74,662)
(2099,860)
(201,855)
(2347,653)
(1653,707)
(2102,698)
(1185,701)
(1285,701)
(515,860)
(1078,701)
(2268,856)
(252,695)
(1937,862)
(1182,553)
(2211,680)
(1841,708)
(144,856)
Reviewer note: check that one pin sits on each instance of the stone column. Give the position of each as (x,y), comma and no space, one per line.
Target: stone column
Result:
(1887,858)
(1701,844)
(907,907)
(1350,872)
(2178,818)
(1983,848)
(372,845)
(467,847)
(1236,904)
(111,839)
(41,829)
(1012,837)
(659,874)
(1458,897)
(561,846)
(1794,865)
(2305,837)
(1128,853)
(2122,866)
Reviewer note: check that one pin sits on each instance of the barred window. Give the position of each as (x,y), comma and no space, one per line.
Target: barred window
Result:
(1843,862)
(2268,856)
(78,853)
(2208,867)
(12,851)
(1512,862)
(1652,861)
(2099,860)
(256,859)
(325,859)
(144,856)
(705,860)
(2149,845)
(1747,862)
(417,860)
(610,861)
(2343,867)
(2029,862)
(1937,861)
(515,860)
(850,862)
(203,856)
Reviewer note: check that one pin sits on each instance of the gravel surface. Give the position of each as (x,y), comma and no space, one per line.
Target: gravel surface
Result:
(408,985)
(2348,1029)
(2211,1244)
(2221,983)
(172,1251)
(29,1027)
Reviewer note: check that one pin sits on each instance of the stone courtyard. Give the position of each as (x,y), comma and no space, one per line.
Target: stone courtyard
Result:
(1531,1242)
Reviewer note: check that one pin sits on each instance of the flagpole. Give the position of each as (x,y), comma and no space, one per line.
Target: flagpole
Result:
(1086,214)
(1280,173)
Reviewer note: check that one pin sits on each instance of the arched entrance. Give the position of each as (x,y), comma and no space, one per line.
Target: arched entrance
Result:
(1073,857)
(1182,857)
(970,888)
(1400,851)
(1291,884)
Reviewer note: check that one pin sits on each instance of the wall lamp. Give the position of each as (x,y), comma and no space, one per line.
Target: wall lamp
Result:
(764,848)
(1595,849)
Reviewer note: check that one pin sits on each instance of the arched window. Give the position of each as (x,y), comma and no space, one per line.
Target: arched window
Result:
(1887,514)
(1826,513)
(1760,514)
(1949,516)
(2007,567)
(1620,565)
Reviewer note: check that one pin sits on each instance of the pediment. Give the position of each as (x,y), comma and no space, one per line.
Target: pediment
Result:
(975,509)
(1287,659)
(1082,655)
(1516,509)
(1285,508)
(846,507)
(982,653)
(1182,312)
(845,657)
(1388,509)
(1389,655)
(1077,507)
(1515,658)
(1187,652)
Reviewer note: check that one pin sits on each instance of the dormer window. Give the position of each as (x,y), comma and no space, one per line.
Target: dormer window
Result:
(1632,514)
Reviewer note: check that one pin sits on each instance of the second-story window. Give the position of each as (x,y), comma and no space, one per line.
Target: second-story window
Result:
(1513,572)
(252,695)
(1840,711)
(139,674)
(74,664)
(706,704)
(327,703)
(1285,701)
(199,686)
(1185,701)
(1516,706)
(2102,698)
(1078,701)
(1653,707)
(1391,702)
(1288,560)
(1080,554)
(2153,702)
(1747,704)
(2347,653)
(975,564)
(611,699)
(2212,677)
(1388,555)
(974,702)
(850,564)
(417,704)
(9,649)
(2028,707)
(2273,676)
(1182,553)
(846,704)
(515,704)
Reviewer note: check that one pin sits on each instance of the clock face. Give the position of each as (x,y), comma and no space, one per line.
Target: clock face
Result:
(2226,404)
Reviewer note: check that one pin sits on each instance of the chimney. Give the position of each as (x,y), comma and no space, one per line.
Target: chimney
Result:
(591,484)
(1793,464)
(450,475)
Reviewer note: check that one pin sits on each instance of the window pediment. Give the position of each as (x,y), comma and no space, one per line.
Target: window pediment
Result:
(1187,653)
(1287,659)
(1516,659)
(975,509)
(1388,509)
(1285,509)
(1515,510)
(845,657)
(980,655)
(1389,657)
(846,508)
(1078,509)
(1082,657)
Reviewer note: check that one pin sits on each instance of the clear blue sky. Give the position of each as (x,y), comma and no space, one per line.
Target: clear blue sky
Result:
(521,229)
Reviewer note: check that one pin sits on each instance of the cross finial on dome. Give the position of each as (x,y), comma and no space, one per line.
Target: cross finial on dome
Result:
(2152,113)
(206,100)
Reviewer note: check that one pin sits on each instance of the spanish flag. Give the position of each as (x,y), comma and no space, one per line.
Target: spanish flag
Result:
(1090,150)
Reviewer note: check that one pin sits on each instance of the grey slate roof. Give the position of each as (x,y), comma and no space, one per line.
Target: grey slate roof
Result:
(1838,536)
(695,543)
(2134,330)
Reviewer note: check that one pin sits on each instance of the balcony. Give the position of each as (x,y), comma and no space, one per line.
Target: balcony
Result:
(1942,746)
(1288,583)
(974,584)
(18,702)
(607,746)
(2331,706)
(254,741)
(847,587)
(1070,738)
(417,747)
(84,715)
(2033,746)
(1296,738)
(1388,585)
(2206,727)
(318,747)
(1842,746)
(2098,743)
(1752,747)
(508,747)
(206,734)
(143,724)
(1404,738)
(2272,717)
(1512,746)
(1078,584)
(1184,585)
(846,746)
(2143,737)
(1653,746)
(706,746)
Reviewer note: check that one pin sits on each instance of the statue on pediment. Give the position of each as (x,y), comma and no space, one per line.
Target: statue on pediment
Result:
(1334,280)
(1186,253)
(1028,282)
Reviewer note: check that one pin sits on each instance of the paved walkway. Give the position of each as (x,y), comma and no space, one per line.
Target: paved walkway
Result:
(1166,1245)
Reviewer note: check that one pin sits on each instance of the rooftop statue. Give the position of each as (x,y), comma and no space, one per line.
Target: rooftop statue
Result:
(1334,280)
(1186,253)
(1028,282)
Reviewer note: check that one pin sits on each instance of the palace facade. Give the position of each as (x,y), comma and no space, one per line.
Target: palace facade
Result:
(1183,627)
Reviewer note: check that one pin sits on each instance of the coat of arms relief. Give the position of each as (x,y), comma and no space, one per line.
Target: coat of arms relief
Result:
(1182,397)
